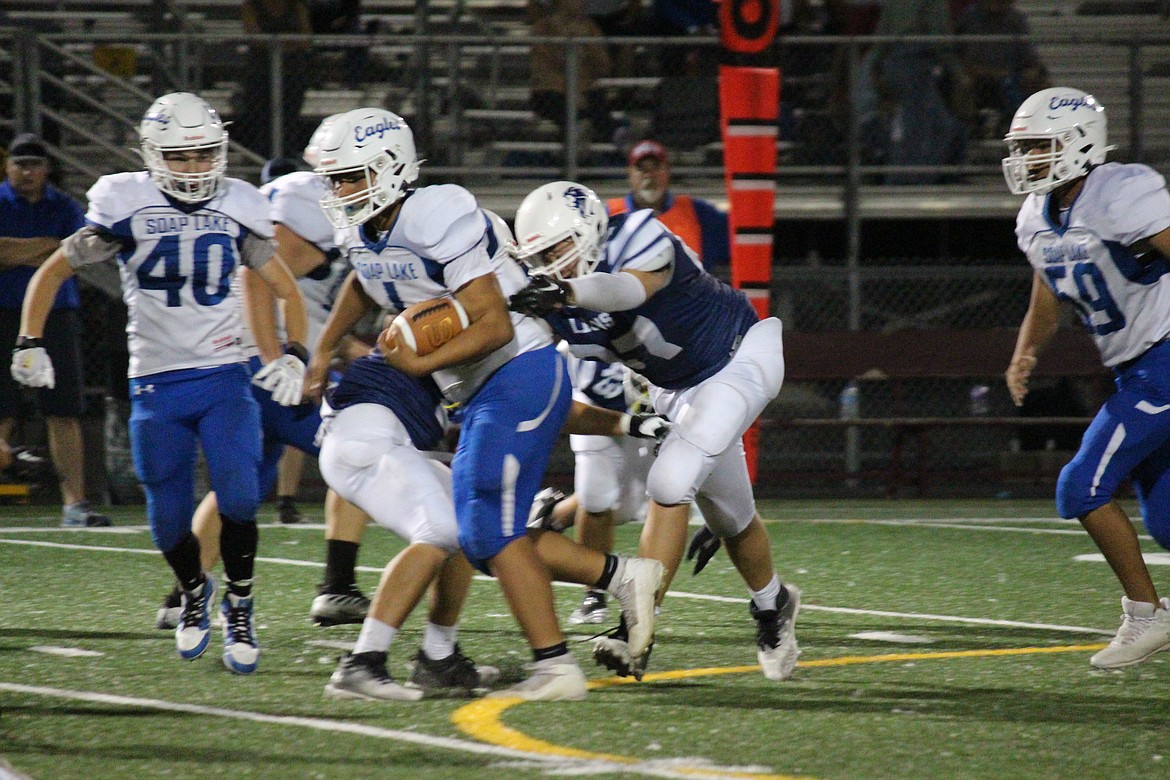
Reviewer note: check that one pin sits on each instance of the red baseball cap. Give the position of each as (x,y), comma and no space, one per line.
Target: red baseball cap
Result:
(644,149)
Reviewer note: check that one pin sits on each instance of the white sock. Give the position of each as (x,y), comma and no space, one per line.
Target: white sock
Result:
(439,641)
(766,599)
(375,637)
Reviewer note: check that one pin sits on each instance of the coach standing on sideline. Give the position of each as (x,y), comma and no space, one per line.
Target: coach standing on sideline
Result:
(34,217)
(700,225)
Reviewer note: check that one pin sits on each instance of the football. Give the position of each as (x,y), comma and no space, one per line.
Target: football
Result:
(428,325)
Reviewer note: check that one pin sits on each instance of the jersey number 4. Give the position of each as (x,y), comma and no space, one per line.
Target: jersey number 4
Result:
(1092,295)
(167,253)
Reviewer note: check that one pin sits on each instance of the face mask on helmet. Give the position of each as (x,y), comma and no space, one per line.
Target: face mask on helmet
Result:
(372,151)
(1056,136)
(184,146)
(560,230)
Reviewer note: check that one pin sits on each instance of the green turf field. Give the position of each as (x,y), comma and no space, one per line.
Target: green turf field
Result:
(941,639)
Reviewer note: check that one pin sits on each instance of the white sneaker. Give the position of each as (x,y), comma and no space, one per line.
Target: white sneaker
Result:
(557,679)
(364,676)
(777,650)
(635,585)
(193,627)
(1145,629)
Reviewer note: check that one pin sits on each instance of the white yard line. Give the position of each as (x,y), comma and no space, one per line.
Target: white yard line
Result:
(674,593)
(540,762)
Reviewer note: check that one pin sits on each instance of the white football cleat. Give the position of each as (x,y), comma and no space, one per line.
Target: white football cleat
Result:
(193,631)
(777,650)
(1145,629)
(635,585)
(241,650)
(555,679)
(364,676)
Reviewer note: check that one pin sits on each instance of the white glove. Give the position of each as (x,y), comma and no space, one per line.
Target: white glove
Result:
(284,378)
(32,367)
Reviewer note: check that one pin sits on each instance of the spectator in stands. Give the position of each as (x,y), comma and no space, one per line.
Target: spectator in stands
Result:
(34,217)
(253,111)
(549,84)
(343,17)
(904,90)
(1002,74)
(700,225)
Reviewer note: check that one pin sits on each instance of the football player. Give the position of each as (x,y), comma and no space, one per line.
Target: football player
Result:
(179,231)
(410,245)
(627,289)
(1097,235)
(304,241)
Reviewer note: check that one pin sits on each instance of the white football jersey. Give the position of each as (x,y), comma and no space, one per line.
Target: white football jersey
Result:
(1121,292)
(177,266)
(295,201)
(441,241)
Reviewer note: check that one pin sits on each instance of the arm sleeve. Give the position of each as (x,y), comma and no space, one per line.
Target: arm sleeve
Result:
(257,250)
(608,292)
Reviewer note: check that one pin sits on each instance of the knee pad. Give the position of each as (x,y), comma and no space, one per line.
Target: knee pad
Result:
(1074,497)
(597,479)
(676,474)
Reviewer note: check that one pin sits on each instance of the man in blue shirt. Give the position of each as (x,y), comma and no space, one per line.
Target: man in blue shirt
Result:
(34,217)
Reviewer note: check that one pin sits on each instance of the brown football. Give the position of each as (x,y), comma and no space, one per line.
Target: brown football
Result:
(428,325)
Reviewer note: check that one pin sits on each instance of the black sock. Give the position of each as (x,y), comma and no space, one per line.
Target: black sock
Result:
(340,560)
(611,564)
(237,547)
(545,653)
(184,561)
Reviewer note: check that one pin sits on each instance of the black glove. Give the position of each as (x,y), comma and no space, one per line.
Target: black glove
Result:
(543,294)
(704,545)
(647,426)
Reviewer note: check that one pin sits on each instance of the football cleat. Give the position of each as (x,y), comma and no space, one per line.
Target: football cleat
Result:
(1145,630)
(635,585)
(287,512)
(456,674)
(554,679)
(172,606)
(241,649)
(332,608)
(593,609)
(777,650)
(28,466)
(613,653)
(82,515)
(364,676)
(193,631)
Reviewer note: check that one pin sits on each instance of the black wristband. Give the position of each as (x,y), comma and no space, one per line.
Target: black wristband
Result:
(297,350)
(27,342)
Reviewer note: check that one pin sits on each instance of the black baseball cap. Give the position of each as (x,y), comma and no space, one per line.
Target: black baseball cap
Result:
(26,147)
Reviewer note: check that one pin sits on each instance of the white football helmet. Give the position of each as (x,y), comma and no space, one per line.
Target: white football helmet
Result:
(313,149)
(1056,136)
(183,122)
(376,144)
(553,213)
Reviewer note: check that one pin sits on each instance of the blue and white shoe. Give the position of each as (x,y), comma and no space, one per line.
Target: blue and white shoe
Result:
(193,632)
(241,649)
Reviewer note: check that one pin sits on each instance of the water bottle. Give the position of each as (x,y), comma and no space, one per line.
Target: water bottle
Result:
(980,401)
(850,402)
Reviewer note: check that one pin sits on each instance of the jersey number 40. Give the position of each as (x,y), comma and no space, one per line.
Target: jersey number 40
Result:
(163,268)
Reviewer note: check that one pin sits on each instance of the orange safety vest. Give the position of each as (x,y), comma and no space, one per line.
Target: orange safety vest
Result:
(679,217)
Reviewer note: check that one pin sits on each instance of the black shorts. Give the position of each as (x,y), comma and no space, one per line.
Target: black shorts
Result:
(62,341)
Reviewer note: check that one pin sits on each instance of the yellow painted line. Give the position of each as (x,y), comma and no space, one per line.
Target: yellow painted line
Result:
(481,718)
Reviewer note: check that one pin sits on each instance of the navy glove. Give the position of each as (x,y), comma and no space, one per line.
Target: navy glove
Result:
(543,294)
(704,545)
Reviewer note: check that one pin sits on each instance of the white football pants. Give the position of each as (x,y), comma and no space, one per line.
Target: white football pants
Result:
(704,452)
(368,459)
